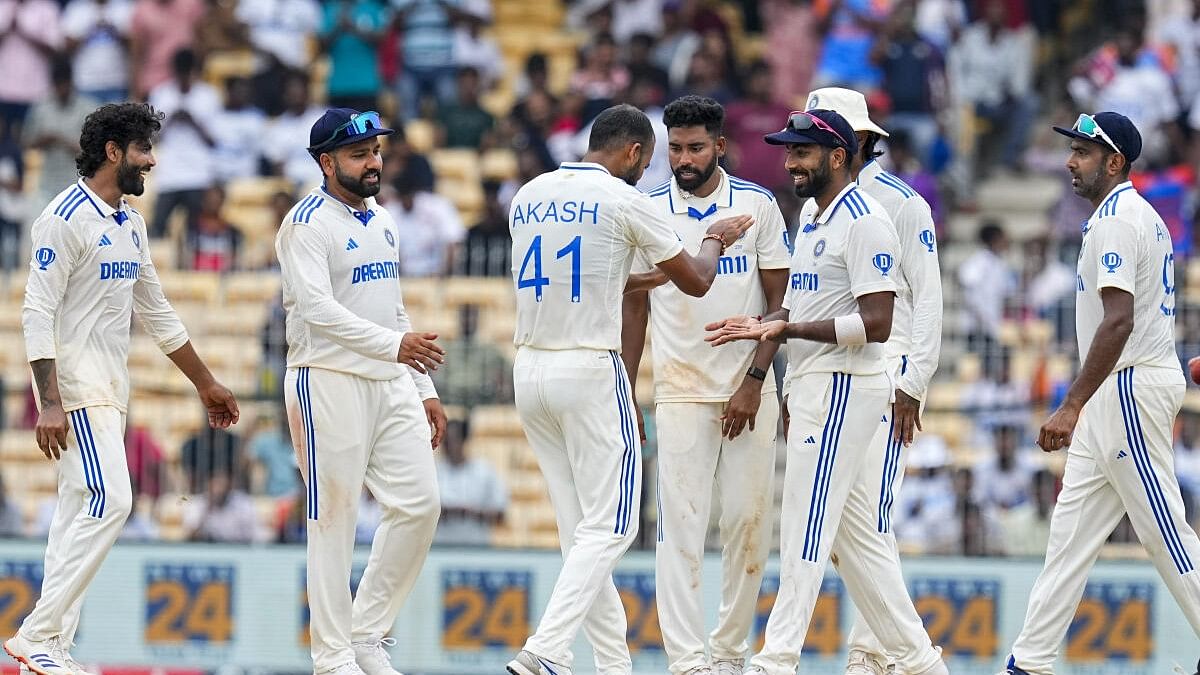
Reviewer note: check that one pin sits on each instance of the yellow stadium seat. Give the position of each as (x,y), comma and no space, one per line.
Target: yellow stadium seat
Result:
(255,190)
(19,445)
(455,164)
(499,164)
(496,420)
(421,135)
(251,287)
(201,287)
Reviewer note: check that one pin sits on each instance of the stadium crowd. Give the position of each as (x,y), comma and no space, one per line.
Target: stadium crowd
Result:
(489,100)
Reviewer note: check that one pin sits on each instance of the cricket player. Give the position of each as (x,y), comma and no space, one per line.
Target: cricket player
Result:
(90,270)
(911,351)
(716,409)
(359,398)
(838,312)
(575,233)
(1117,416)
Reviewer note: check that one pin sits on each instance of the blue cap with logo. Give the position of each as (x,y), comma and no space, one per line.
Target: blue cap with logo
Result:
(1110,129)
(823,127)
(343,126)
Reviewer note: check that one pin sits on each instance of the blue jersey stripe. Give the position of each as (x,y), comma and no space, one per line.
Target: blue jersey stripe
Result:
(895,184)
(658,499)
(312,208)
(862,203)
(87,467)
(825,462)
(66,201)
(303,394)
(87,425)
(741,184)
(836,443)
(70,204)
(628,458)
(299,208)
(890,456)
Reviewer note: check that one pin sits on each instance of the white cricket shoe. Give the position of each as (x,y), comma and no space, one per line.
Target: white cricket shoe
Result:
(728,666)
(44,658)
(863,663)
(372,656)
(525,663)
(350,668)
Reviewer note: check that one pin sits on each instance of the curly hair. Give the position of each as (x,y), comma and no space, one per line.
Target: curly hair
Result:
(692,111)
(122,123)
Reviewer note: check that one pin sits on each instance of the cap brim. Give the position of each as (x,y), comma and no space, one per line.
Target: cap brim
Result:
(371,133)
(875,128)
(791,137)
(1071,133)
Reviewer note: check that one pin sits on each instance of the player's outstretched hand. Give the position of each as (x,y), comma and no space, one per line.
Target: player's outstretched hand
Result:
(906,417)
(51,431)
(419,351)
(1056,433)
(437,419)
(731,228)
(221,405)
(743,328)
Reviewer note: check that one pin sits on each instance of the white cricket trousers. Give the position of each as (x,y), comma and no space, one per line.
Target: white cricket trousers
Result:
(826,507)
(94,499)
(692,455)
(577,410)
(349,431)
(1121,460)
(884,468)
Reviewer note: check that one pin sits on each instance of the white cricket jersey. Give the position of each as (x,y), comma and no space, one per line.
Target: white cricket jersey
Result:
(341,290)
(847,251)
(687,368)
(574,232)
(90,270)
(917,315)
(1127,246)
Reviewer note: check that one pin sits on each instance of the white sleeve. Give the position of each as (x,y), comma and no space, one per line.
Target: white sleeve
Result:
(424,383)
(150,305)
(919,264)
(771,241)
(647,230)
(304,260)
(871,256)
(55,249)
(74,21)
(1114,243)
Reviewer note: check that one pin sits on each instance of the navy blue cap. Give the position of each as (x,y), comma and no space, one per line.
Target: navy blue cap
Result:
(343,126)
(1118,128)
(843,138)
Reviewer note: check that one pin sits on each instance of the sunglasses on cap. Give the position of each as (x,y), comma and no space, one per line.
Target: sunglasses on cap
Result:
(799,120)
(1087,125)
(360,123)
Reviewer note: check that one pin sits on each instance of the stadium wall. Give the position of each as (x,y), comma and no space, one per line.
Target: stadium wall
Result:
(206,607)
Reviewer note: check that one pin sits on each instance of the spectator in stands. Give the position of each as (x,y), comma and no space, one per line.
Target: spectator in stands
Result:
(1179,32)
(144,457)
(274,348)
(913,79)
(475,49)
(29,35)
(631,17)
(927,505)
(755,114)
(223,514)
(1004,475)
(601,78)
(639,63)
(940,21)
(465,124)
(996,399)
(534,77)
(185,148)
(488,248)
(12,523)
(483,376)
(53,127)
(706,78)
(140,526)
(221,30)
(1026,528)
(284,145)
(1187,453)
(292,525)
(848,29)
(989,281)
(647,97)
(1139,88)
(991,71)
(531,124)
(238,130)
(213,244)
(473,496)
(282,28)
(97,39)
(1050,290)
(274,472)
(12,197)
(428,55)
(908,168)
(157,31)
(428,230)
(675,47)
(793,47)
(207,453)
(401,157)
(350,35)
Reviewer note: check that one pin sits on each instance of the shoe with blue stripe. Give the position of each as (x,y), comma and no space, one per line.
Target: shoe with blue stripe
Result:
(1011,668)
(526,663)
(44,658)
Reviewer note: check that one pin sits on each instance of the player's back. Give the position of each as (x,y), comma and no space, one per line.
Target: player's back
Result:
(574,232)
(1127,245)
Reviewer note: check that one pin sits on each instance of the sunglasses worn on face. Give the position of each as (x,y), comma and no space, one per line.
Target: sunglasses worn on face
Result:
(1087,126)
(803,121)
(358,125)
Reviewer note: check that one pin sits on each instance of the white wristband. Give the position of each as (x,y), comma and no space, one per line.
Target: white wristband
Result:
(849,330)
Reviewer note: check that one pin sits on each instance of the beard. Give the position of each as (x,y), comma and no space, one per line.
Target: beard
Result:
(702,176)
(1089,185)
(817,180)
(359,186)
(129,178)
(634,173)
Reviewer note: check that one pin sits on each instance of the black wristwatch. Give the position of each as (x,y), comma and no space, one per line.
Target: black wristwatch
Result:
(757,373)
